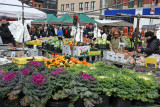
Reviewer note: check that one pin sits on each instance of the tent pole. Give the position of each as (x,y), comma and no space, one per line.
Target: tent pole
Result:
(23,21)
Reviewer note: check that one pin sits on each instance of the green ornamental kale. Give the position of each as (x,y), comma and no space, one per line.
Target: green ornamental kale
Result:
(148,87)
(126,87)
(38,89)
(9,67)
(60,80)
(84,87)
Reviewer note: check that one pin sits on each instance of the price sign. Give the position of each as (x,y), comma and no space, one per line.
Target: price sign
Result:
(13,54)
(121,44)
(151,62)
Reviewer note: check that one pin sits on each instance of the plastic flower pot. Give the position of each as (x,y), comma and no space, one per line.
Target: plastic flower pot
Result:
(1,102)
(79,103)
(105,101)
(7,105)
(61,103)
(119,102)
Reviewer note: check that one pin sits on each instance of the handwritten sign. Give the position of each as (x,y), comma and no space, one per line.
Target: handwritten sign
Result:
(151,62)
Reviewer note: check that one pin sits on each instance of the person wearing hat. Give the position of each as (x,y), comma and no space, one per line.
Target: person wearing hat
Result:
(152,44)
(7,37)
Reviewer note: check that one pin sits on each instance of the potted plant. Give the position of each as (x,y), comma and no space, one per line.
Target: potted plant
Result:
(9,67)
(11,84)
(84,89)
(40,66)
(37,89)
(126,89)
(60,81)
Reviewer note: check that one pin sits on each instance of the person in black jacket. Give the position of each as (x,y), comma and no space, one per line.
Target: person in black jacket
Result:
(152,44)
(5,33)
(90,31)
(34,33)
(67,33)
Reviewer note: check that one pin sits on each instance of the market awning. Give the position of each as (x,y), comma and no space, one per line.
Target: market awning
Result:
(13,9)
(115,23)
(65,18)
(50,18)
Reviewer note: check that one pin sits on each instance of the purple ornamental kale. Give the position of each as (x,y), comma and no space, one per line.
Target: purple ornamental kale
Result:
(25,72)
(8,77)
(34,63)
(38,79)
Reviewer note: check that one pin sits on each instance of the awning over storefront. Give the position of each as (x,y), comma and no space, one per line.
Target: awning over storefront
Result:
(146,11)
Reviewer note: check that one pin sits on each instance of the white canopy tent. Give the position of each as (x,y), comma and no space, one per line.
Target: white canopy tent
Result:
(16,11)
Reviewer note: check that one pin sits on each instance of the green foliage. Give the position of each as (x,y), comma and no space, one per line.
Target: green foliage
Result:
(59,83)
(148,87)
(9,67)
(85,89)
(37,95)
(126,87)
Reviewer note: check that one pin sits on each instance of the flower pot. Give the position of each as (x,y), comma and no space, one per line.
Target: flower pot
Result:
(105,101)
(7,105)
(79,103)
(64,103)
(119,102)
(1,102)
(139,103)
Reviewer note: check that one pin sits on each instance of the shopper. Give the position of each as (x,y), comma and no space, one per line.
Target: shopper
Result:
(90,31)
(110,36)
(116,39)
(67,33)
(34,33)
(60,32)
(152,44)
(103,34)
(5,33)
(47,32)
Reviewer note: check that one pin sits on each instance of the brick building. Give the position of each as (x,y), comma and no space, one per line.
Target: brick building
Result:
(34,3)
(80,6)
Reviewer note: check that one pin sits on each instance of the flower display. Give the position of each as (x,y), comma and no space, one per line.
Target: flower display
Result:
(1,72)
(38,79)
(25,72)
(8,76)
(35,63)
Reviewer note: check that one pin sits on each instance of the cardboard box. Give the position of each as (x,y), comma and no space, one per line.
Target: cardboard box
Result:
(119,57)
(81,50)
(111,55)
(66,50)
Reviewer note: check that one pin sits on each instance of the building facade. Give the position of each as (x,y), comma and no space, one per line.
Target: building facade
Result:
(50,4)
(34,3)
(80,6)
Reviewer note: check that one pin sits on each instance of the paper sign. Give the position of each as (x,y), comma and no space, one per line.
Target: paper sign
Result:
(111,55)
(121,44)
(151,62)
(13,54)
(119,57)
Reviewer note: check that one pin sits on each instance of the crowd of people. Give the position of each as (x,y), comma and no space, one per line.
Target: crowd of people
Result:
(115,35)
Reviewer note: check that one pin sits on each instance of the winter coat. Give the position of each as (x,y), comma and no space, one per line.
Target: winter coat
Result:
(152,46)
(47,34)
(90,33)
(6,35)
(34,34)
(115,42)
(60,33)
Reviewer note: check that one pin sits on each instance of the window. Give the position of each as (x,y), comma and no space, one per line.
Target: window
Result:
(86,5)
(72,7)
(67,5)
(156,2)
(140,3)
(35,5)
(62,7)
(80,6)
(131,4)
(92,5)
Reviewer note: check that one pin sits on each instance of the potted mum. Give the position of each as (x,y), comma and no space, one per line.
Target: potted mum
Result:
(60,80)
(37,89)
(11,84)
(84,89)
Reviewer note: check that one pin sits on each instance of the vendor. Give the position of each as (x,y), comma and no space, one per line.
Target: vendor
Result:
(34,33)
(116,39)
(6,36)
(152,44)
(90,31)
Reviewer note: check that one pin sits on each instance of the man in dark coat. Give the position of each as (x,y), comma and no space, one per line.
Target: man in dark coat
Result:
(152,44)
(5,33)
(90,31)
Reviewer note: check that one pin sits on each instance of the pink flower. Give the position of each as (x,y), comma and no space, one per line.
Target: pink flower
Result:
(8,76)
(25,72)
(86,76)
(38,79)
(34,63)
(1,72)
